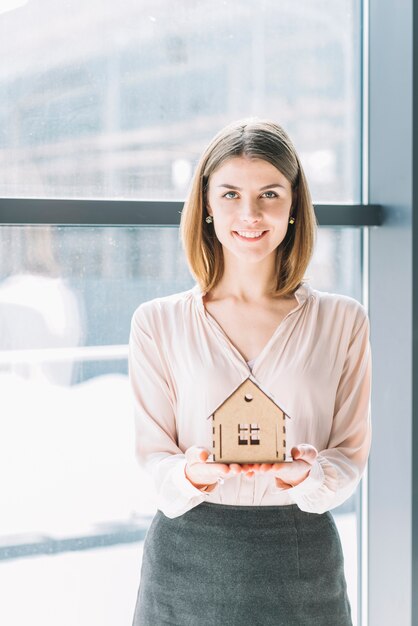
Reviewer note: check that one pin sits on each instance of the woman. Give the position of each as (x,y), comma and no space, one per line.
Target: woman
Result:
(237,545)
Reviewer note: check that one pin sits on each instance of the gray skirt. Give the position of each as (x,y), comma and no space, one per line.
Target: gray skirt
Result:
(225,565)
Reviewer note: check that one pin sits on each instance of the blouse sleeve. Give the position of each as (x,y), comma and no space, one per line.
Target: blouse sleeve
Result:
(338,469)
(156,448)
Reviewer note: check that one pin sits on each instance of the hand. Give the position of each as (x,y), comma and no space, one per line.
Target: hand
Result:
(288,474)
(201,474)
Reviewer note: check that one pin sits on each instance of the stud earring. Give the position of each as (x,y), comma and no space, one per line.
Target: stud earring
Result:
(292,220)
(209,219)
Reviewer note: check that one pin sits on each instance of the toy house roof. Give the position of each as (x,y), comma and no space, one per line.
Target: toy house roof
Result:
(266,393)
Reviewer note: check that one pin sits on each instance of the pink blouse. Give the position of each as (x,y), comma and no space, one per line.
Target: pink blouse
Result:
(317,363)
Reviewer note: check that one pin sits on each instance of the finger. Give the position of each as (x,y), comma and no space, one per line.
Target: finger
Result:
(235,468)
(297,451)
(278,466)
(206,473)
(203,456)
(282,484)
(248,466)
(218,468)
(304,451)
(193,453)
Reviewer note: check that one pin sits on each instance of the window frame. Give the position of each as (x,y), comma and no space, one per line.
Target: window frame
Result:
(390,253)
(392,147)
(62,212)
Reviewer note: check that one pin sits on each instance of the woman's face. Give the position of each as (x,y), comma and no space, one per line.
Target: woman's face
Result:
(249,195)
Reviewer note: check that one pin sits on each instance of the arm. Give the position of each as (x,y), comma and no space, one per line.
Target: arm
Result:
(337,470)
(155,425)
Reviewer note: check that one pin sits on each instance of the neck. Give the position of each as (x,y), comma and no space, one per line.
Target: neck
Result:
(247,282)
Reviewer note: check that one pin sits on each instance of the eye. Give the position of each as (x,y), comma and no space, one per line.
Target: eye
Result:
(274,194)
(229,192)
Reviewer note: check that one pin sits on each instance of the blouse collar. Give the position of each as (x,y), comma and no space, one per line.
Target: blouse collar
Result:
(302,293)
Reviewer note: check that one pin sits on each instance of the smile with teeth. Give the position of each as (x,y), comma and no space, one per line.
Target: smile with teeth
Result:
(253,235)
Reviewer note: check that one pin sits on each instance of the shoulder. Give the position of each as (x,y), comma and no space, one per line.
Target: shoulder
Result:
(340,309)
(162,310)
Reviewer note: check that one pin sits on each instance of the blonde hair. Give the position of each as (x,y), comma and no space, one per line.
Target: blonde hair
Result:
(257,138)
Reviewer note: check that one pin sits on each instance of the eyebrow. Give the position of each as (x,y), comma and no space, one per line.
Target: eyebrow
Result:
(261,188)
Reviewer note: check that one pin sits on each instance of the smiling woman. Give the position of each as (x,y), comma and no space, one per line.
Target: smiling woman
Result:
(267,191)
(249,543)
(251,211)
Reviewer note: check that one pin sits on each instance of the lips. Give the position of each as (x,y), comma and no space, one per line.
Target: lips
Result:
(249,238)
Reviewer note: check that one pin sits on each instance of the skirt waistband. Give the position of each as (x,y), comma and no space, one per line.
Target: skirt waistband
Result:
(239,507)
(213,515)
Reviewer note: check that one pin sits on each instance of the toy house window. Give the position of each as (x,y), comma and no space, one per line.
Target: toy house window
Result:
(251,430)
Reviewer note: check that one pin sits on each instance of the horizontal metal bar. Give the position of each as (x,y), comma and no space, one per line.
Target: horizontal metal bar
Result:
(25,545)
(64,355)
(36,211)
(349,214)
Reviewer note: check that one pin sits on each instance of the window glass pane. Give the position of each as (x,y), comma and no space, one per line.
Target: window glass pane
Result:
(88,588)
(66,427)
(117,100)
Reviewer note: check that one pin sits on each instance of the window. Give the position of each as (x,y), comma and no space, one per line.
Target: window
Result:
(248,429)
(103,100)
(66,298)
(116,101)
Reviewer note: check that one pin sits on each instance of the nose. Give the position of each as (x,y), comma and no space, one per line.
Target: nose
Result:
(250,213)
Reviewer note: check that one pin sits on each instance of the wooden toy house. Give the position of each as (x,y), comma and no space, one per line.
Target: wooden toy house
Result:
(249,427)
